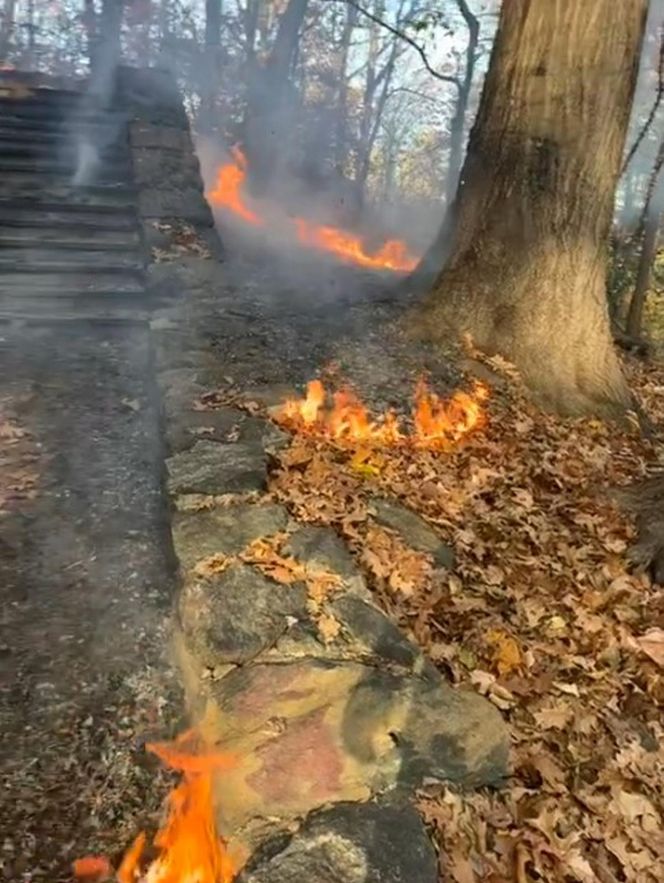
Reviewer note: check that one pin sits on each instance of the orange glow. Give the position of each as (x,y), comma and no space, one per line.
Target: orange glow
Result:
(228,192)
(228,195)
(189,850)
(393,255)
(436,423)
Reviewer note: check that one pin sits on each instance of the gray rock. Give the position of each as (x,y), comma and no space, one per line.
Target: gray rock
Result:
(153,168)
(320,547)
(371,633)
(232,617)
(351,843)
(366,636)
(415,531)
(144,135)
(211,468)
(185,202)
(185,427)
(224,530)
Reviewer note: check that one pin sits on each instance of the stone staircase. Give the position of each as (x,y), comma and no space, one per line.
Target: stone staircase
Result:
(68,250)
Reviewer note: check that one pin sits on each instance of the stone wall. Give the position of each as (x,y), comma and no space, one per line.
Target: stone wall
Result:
(330,734)
(166,170)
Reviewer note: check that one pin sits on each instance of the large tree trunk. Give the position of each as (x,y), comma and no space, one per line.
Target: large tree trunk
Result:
(458,123)
(634,324)
(107,53)
(267,120)
(207,120)
(6,28)
(527,266)
(438,251)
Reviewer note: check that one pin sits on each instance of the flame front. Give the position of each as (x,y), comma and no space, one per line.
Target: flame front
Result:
(189,850)
(228,192)
(436,423)
(228,195)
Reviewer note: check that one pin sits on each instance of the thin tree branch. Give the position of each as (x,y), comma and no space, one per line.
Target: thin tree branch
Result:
(400,34)
(653,112)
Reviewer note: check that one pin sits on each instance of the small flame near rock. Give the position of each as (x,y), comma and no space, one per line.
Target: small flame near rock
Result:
(228,194)
(436,423)
(187,848)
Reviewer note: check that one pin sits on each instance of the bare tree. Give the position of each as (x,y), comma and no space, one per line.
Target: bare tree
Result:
(651,227)
(266,117)
(527,268)
(6,28)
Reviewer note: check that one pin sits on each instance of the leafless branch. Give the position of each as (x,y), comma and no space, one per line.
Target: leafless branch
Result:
(400,34)
(653,112)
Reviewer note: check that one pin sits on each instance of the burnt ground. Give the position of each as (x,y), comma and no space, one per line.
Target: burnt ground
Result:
(85,583)
(284,318)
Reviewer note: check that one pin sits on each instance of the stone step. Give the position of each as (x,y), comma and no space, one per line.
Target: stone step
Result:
(80,237)
(59,148)
(20,134)
(19,214)
(50,260)
(59,189)
(47,112)
(38,93)
(40,284)
(116,171)
(119,309)
(54,127)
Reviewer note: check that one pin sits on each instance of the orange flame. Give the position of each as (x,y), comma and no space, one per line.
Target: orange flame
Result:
(189,848)
(392,255)
(437,423)
(228,192)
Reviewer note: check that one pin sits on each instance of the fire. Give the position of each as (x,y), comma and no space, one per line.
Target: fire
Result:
(189,850)
(228,194)
(436,423)
(393,255)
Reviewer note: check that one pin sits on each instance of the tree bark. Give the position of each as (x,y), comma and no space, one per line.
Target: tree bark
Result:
(207,117)
(107,54)
(458,124)
(266,121)
(341,139)
(527,267)
(6,28)
(634,325)
(437,253)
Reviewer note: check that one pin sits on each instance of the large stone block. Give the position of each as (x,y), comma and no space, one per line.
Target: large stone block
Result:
(233,617)
(154,168)
(312,733)
(186,203)
(211,468)
(351,843)
(224,530)
(143,135)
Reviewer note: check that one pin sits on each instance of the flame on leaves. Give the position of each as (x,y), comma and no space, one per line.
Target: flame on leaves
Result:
(228,194)
(436,423)
(189,850)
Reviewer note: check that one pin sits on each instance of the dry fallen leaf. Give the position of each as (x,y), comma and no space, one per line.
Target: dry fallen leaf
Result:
(652,644)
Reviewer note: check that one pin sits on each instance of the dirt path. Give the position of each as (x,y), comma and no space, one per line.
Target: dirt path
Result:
(85,583)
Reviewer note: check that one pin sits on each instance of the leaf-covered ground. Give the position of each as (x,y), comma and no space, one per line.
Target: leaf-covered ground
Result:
(541,614)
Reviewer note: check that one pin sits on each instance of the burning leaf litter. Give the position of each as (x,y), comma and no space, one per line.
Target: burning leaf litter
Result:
(437,423)
(541,615)
(188,847)
(228,194)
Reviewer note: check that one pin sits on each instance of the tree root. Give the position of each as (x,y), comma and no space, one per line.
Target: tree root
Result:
(645,500)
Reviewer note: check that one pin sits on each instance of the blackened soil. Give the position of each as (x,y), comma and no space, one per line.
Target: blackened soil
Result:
(85,584)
